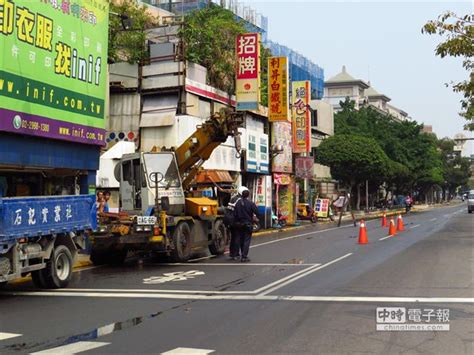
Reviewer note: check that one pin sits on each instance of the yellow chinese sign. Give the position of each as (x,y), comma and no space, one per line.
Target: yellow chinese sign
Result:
(301,95)
(248,71)
(278,89)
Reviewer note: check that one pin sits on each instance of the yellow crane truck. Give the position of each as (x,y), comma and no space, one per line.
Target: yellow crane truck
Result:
(157,215)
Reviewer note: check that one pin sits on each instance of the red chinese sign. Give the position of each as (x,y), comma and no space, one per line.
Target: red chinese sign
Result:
(248,71)
(278,89)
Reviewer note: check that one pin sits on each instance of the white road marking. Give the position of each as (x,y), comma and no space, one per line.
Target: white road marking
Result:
(117,290)
(5,336)
(298,236)
(203,258)
(304,274)
(433,219)
(415,226)
(230,263)
(173,277)
(388,236)
(380,299)
(187,351)
(289,277)
(280,240)
(73,348)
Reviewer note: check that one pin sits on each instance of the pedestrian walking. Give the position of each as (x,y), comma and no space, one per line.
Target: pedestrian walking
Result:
(245,213)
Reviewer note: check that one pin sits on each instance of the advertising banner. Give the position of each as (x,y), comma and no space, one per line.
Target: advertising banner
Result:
(301,96)
(278,90)
(53,68)
(257,152)
(248,71)
(281,134)
(321,207)
(304,167)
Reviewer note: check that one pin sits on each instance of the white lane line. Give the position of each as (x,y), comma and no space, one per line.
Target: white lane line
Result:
(73,348)
(467,300)
(203,258)
(433,219)
(273,289)
(279,240)
(298,236)
(415,226)
(187,351)
(388,236)
(237,264)
(286,278)
(5,336)
(122,290)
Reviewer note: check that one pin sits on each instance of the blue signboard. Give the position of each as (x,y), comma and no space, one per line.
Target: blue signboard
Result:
(36,216)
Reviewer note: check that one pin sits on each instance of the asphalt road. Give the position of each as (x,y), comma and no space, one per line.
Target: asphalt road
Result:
(308,291)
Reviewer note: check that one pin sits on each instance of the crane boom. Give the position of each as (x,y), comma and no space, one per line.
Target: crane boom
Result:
(199,146)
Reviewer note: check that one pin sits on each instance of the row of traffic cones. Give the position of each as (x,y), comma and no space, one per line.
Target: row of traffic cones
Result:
(392,230)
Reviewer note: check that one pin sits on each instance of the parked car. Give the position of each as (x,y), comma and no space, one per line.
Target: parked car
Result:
(470,201)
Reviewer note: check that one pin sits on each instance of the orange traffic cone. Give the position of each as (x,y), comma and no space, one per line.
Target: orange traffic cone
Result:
(392,229)
(384,220)
(363,233)
(400,226)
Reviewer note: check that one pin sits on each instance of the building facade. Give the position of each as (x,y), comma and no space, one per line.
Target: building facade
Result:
(343,85)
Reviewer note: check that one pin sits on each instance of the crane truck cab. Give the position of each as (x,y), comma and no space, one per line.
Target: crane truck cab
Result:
(156,215)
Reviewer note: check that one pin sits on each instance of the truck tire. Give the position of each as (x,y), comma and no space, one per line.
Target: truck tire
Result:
(58,271)
(219,238)
(182,243)
(38,279)
(99,257)
(117,257)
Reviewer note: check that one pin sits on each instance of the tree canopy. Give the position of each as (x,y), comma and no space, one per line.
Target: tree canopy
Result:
(129,44)
(458,33)
(209,35)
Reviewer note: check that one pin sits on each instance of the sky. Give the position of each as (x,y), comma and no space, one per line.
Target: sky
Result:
(380,41)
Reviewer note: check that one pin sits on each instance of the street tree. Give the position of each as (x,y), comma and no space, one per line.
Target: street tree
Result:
(458,33)
(128,22)
(209,36)
(353,159)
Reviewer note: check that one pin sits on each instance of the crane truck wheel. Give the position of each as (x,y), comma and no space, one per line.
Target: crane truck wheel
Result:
(219,238)
(58,270)
(182,243)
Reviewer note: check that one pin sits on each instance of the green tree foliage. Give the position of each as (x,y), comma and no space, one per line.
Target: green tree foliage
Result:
(129,44)
(456,169)
(414,158)
(209,36)
(353,159)
(458,33)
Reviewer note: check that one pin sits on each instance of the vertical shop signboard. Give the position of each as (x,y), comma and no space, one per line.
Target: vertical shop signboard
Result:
(281,135)
(301,92)
(278,90)
(248,71)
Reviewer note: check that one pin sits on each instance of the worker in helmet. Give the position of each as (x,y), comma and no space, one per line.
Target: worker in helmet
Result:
(229,221)
(245,211)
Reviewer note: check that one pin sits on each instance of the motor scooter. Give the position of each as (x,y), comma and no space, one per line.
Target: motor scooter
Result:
(306,213)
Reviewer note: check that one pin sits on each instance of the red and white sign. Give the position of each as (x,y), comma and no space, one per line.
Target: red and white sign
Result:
(248,71)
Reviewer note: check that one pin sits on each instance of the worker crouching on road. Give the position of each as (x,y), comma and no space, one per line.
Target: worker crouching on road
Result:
(245,212)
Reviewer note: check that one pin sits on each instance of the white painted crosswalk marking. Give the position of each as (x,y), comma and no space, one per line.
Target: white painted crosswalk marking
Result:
(5,336)
(73,348)
(187,351)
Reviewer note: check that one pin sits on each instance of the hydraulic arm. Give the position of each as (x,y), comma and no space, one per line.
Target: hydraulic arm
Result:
(199,146)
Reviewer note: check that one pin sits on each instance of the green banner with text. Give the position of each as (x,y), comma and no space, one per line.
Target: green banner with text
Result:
(53,68)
